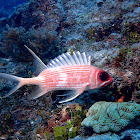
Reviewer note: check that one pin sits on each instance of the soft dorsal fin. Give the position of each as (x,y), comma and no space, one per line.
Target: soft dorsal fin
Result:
(40,66)
(68,59)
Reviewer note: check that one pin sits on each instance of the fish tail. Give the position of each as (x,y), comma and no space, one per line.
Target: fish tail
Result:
(36,92)
(13,78)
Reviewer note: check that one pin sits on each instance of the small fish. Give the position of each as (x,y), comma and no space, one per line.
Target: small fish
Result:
(72,72)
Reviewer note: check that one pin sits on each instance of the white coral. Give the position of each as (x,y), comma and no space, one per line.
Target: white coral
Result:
(110,116)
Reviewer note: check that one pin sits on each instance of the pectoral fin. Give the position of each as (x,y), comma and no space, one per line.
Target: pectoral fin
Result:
(73,94)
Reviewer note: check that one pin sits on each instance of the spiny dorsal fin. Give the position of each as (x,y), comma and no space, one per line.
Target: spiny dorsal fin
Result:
(39,64)
(67,59)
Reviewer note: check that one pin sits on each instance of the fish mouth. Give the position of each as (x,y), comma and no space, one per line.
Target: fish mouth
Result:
(106,83)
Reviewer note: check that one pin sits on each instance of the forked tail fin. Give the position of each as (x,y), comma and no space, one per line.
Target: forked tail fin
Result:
(12,78)
(39,91)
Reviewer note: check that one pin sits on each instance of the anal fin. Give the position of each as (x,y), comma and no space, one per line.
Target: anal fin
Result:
(37,92)
(73,94)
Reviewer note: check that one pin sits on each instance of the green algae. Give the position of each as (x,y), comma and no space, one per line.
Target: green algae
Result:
(72,126)
(132,33)
(47,135)
(72,132)
(60,133)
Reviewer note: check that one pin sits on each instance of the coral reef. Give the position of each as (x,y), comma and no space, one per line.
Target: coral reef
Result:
(125,66)
(108,30)
(131,134)
(107,136)
(61,124)
(14,39)
(110,116)
(35,24)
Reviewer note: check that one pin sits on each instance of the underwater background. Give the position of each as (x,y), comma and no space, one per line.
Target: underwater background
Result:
(7,7)
(109,31)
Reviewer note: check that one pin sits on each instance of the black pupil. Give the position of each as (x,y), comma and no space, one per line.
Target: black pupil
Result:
(103,76)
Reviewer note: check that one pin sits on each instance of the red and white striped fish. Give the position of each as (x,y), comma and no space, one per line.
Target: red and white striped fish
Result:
(72,72)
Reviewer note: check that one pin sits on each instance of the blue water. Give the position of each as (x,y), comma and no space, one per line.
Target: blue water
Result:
(8,6)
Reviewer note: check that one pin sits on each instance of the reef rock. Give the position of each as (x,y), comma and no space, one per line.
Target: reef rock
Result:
(110,116)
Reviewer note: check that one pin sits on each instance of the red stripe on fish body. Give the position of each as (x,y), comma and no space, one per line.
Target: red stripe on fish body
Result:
(66,72)
(69,77)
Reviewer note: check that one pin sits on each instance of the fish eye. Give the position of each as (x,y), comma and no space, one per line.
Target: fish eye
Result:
(103,76)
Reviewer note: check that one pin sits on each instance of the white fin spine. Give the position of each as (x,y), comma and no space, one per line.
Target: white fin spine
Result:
(58,62)
(40,66)
(51,65)
(70,58)
(76,58)
(89,60)
(62,60)
(80,58)
(54,63)
(67,59)
(85,58)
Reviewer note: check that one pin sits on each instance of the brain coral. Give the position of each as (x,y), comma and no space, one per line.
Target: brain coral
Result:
(110,116)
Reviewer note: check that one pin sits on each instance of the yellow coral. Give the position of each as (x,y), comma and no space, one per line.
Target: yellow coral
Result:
(110,116)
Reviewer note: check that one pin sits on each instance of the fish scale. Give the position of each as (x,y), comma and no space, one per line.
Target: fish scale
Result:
(66,72)
(75,75)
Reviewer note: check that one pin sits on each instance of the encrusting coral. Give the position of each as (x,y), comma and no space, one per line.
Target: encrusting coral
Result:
(110,116)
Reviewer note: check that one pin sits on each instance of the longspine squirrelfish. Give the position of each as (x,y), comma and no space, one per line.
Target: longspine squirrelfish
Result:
(72,72)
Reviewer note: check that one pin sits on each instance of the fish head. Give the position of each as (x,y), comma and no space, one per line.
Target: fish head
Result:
(101,78)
